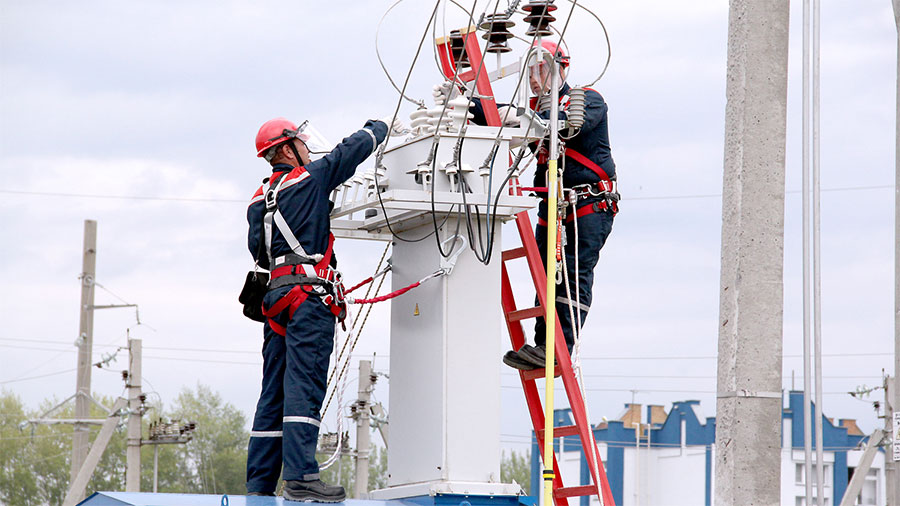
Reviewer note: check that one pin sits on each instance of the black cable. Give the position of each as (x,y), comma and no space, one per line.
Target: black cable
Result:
(459,141)
(436,143)
(380,153)
(519,156)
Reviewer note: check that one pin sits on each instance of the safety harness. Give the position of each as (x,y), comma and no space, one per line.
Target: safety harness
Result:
(309,274)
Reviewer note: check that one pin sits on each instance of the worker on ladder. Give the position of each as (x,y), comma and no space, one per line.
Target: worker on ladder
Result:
(290,235)
(589,180)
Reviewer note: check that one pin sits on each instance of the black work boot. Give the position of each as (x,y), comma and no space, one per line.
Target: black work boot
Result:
(513,360)
(260,493)
(313,491)
(536,355)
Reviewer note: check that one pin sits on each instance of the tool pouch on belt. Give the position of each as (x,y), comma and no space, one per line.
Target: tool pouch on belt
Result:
(252,295)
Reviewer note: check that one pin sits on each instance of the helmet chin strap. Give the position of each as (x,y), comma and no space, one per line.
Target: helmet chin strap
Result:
(296,152)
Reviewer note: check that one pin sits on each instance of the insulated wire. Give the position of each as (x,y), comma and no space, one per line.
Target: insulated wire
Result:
(420,103)
(380,151)
(484,256)
(512,170)
(434,149)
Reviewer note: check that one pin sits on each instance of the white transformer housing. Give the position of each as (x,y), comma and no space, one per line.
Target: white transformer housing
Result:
(445,369)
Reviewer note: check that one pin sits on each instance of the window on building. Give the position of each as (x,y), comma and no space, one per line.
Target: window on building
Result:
(798,474)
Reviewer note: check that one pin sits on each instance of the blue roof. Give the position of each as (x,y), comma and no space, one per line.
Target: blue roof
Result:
(150,499)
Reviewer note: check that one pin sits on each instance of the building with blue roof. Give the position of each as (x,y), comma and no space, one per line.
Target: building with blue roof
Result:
(669,458)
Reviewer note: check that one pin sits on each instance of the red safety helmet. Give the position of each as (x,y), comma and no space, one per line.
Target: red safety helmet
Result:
(554,49)
(274,132)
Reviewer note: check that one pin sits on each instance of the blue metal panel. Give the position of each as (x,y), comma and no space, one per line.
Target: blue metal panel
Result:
(707,501)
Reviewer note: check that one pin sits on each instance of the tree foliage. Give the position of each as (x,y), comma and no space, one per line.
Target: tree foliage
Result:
(516,468)
(35,459)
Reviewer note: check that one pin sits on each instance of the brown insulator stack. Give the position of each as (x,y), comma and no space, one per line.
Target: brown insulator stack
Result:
(496,27)
(539,17)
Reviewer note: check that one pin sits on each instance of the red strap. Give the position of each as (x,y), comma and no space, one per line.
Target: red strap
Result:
(583,160)
(321,268)
(595,207)
(292,299)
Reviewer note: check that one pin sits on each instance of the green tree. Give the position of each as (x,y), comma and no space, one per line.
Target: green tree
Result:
(35,461)
(215,461)
(515,467)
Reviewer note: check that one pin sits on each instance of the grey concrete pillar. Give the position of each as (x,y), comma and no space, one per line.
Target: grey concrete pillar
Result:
(748,425)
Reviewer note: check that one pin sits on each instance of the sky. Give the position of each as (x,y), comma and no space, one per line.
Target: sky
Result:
(142,116)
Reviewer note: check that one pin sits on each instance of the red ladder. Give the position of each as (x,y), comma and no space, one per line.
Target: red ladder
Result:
(467,43)
(582,427)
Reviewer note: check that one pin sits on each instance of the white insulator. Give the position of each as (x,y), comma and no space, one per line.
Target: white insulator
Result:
(424,172)
(460,113)
(418,119)
(575,113)
(544,102)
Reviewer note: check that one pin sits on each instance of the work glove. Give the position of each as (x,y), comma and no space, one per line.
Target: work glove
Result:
(509,116)
(395,127)
(443,93)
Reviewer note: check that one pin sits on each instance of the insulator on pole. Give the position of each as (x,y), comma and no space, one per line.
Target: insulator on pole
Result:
(496,27)
(575,113)
(458,49)
(539,17)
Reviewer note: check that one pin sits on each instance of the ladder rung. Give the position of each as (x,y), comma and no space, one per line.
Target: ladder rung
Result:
(513,253)
(522,314)
(565,430)
(539,373)
(575,491)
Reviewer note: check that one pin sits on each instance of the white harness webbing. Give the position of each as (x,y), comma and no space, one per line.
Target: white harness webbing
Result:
(274,214)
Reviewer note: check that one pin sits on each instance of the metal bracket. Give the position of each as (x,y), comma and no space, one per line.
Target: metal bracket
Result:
(447,263)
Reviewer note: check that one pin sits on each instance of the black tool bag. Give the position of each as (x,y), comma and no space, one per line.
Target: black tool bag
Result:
(252,295)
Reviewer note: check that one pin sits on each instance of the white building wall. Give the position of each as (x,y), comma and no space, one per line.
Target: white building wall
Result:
(873,490)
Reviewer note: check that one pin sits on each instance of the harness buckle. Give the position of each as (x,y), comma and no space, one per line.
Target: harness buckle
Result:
(270,198)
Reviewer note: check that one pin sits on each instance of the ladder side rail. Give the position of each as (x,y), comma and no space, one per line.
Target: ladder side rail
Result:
(483,82)
(523,222)
(516,334)
(445,56)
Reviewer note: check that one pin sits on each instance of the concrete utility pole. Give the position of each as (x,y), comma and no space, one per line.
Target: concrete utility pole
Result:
(135,411)
(748,429)
(80,436)
(363,440)
(890,468)
(77,485)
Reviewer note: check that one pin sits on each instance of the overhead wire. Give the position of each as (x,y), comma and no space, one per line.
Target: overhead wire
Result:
(380,151)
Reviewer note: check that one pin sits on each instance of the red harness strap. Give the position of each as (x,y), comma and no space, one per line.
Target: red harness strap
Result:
(298,294)
(596,207)
(583,160)
(321,268)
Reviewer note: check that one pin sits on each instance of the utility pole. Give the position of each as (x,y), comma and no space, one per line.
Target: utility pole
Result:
(80,435)
(893,404)
(363,441)
(890,465)
(135,412)
(748,429)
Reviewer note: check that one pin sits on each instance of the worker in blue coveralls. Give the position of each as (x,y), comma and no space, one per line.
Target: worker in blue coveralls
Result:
(589,177)
(290,235)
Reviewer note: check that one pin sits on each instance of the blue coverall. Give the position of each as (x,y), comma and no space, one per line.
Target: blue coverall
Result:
(295,366)
(592,141)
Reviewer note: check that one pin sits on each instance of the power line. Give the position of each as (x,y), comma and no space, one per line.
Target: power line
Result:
(57,373)
(124,197)
(655,357)
(244,201)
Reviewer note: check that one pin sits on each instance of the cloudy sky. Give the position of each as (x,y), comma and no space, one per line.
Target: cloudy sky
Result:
(142,116)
